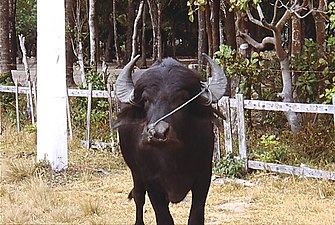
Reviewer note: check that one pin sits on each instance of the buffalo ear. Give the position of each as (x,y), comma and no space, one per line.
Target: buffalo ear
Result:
(128,115)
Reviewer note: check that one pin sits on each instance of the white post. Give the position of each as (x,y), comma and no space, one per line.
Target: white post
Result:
(51,84)
(242,133)
(227,126)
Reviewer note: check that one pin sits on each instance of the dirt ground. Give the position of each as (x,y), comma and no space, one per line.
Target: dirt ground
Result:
(94,190)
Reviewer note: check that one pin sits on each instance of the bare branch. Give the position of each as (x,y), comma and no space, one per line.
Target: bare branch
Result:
(254,43)
(253,19)
(274,12)
(280,24)
(260,12)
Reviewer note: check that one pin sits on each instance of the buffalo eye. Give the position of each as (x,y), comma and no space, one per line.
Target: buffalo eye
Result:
(182,97)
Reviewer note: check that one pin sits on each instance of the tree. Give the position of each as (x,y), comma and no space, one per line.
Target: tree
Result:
(215,21)
(155,10)
(12,33)
(116,39)
(134,37)
(92,28)
(26,23)
(276,27)
(5,57)
(130,24)
(320,22)
(201,37)
(69,23)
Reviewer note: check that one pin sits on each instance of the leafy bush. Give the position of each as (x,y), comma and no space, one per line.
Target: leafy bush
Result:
(229,166)
(314,69)
(269,149)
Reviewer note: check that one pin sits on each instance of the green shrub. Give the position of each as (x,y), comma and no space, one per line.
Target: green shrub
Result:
(229,166)
(269,149)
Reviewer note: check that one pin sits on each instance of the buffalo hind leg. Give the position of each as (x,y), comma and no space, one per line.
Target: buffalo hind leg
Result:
(160,204)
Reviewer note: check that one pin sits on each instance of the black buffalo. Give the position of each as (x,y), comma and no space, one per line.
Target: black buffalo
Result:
(168,149)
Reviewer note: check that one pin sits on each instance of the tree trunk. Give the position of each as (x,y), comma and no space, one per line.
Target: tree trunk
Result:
(116,37)
(5,56)
(230,28)
(92,28)
(296,41)
(286,94)
(320,24)
(153,10)
(201,37)
(143,40)
(69,23)
(130,25)
(109,43)
(209,34)
(296,47)
(159,31)
(134,37)
(215,20)
(12,34)
(79,43)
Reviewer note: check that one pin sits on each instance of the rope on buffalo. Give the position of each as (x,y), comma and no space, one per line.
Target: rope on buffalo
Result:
(151,127)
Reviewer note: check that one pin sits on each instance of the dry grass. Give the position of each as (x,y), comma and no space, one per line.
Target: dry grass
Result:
(32,194)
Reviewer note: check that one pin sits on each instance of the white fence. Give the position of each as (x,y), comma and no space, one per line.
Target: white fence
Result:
(226,104)
(240,104)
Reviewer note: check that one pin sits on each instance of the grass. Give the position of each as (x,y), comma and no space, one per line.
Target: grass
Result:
(33,194)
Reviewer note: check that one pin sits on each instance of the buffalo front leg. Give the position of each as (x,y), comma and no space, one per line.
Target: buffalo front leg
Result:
(138,193)
(199,195)
(160,204)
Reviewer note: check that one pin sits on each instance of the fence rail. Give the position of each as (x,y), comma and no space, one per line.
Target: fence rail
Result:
(71,92)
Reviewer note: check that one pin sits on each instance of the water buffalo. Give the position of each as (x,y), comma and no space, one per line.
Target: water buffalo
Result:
(166,134)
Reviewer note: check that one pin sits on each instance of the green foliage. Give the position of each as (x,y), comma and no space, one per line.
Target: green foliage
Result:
(312,67)
(315,70)
(195,5)
(259,70)
(6,98)
(99,113)
(269,149)
(331,12)
(229,166)
(243,4)
(26,22)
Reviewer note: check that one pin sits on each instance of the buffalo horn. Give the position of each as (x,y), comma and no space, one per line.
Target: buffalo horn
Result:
(124,86)
(216,86)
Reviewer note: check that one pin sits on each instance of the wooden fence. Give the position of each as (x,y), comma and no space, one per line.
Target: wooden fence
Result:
(240,104)
(226,104)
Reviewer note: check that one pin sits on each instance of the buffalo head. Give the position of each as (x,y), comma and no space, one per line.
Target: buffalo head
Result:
(161,93)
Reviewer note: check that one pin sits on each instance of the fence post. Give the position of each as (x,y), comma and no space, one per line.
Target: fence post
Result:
(68,112)
(88,115)
(30,94)
(110,110)
(17,106)
(242,143)
(227,125)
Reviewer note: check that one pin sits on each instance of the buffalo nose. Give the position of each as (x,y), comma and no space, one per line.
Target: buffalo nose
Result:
(159,131)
